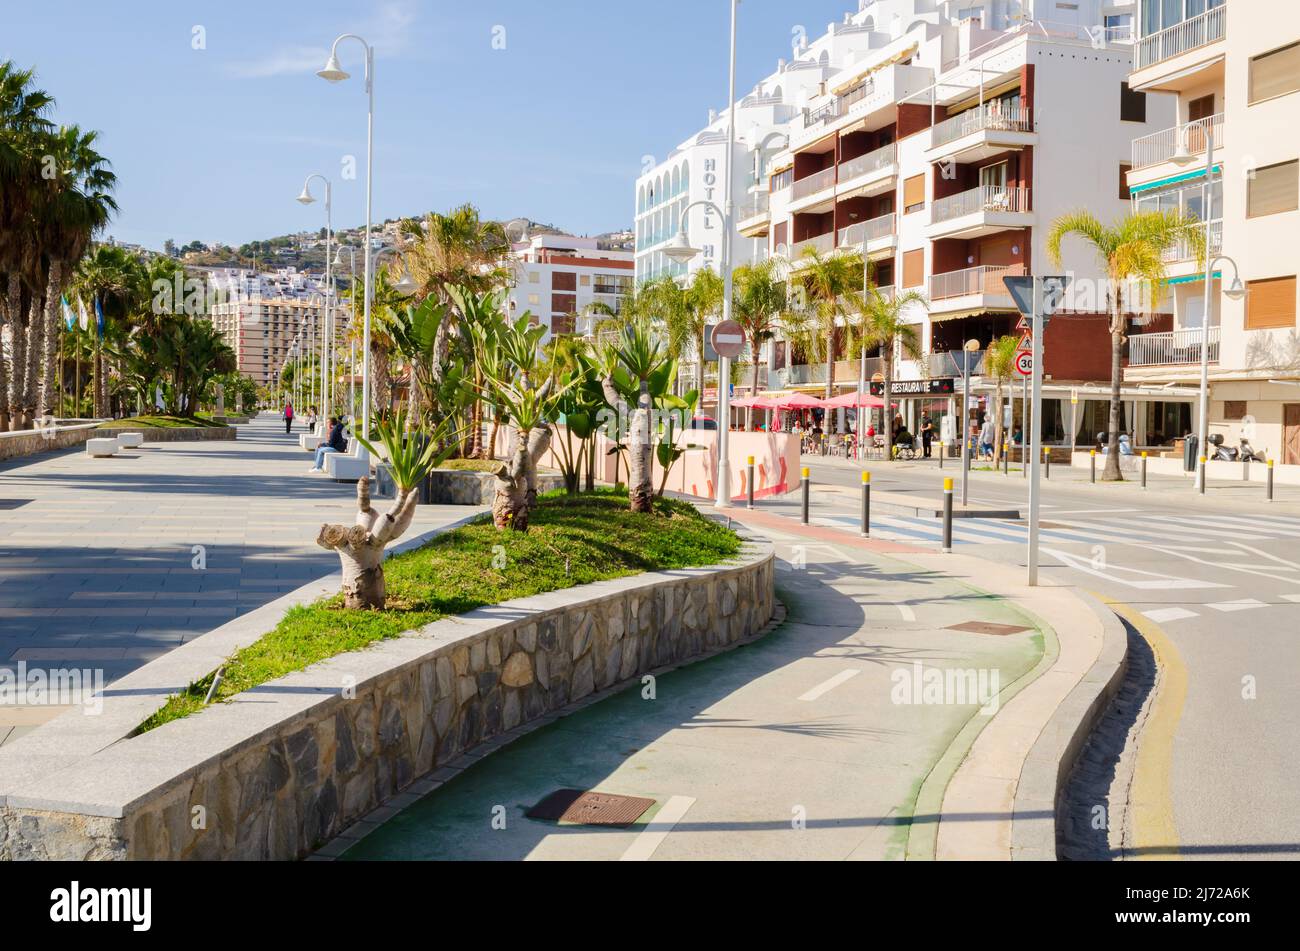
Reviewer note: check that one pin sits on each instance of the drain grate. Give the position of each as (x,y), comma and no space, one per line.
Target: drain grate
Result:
(590,808)
(987,627)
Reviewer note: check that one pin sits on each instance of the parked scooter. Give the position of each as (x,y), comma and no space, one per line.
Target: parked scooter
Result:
(1220,452)
(1247,452)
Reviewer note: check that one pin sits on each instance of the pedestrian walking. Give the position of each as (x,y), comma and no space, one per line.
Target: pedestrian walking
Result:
(927,433)
(288,418)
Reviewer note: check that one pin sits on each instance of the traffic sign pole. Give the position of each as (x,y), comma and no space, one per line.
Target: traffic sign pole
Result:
(1036,446)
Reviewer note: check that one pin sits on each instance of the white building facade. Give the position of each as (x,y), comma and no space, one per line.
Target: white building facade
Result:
(558,278)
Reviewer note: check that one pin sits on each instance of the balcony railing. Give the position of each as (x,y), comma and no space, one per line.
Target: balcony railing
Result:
(755,206)
(1181,38)
(859,92)
(985,279)
(985,198)
(1185,249)
(1176,347)
(1161,146)
(948,363)
(813,183)
(866,164)
(824,243)
(822,115)
(872,230)
(992,116)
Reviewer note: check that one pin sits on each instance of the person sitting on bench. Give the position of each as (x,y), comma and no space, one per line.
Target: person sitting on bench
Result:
(337,442)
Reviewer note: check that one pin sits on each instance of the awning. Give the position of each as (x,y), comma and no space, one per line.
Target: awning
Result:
(973,312)
(859,76)
(1173,180)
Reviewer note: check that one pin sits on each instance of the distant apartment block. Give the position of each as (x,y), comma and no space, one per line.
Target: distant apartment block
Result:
(559,277)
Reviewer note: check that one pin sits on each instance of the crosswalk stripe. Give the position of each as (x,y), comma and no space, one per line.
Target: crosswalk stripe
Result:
(1247,604)
(1162,615)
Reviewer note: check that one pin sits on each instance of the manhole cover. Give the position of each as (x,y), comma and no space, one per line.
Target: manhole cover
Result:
(987,627)
(590,808)
(13,503)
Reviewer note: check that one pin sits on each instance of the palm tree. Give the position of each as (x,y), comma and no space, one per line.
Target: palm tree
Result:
(828,280)
(703,300)
(760,301)
(1000,363)
(1130,251)
(111,278)
(878,321)
(641,361)
(22,125)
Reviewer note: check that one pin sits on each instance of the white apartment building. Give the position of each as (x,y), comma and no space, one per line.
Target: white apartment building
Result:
(1234,68)
(559,278)
(262,331)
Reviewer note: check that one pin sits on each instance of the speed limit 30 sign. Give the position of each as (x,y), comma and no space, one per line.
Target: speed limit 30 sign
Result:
(1025,362)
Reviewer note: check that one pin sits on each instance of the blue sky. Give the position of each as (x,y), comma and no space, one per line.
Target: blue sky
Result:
(214,143)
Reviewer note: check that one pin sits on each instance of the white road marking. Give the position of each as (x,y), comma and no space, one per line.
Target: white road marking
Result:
(844,676)
(905,609)
(657,829)
(1293,598)
(1096,511)
(1168,614)
(1264,554)
(1180,553)
(1247,604)
(1150,580)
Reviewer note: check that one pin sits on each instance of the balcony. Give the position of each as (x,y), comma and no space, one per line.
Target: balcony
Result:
(812,374)
(1185,249)
(880,235)
(823,243)
(1173,348)
(869,174)
(948,363)
(754,215)
(1152,153)
(982,132)
(816,189)
(973,288)
(979,211)
(1186,42)
(822,116)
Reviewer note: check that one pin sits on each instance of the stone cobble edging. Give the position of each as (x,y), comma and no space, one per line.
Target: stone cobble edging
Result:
(467,487)
(282,769)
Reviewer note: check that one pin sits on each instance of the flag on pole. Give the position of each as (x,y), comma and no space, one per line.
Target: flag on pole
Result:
(69,318)
(99,319)
(83,319)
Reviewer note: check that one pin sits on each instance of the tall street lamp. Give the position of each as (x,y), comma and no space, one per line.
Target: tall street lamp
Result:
(352,309)
(327,348)
(333,72)
(1184,157)
(681,251)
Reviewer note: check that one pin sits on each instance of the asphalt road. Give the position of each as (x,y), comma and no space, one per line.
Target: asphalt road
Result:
(1212,583)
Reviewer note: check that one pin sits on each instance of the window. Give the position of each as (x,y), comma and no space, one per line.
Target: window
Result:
(584,280)
(1132,105)
(1270,303)
(1274,74)
(782,179)
(994,177)
(914,268)
(1273,189)
(1124,169)
(1234,410)
(914,193)
(534,300)
(534,277)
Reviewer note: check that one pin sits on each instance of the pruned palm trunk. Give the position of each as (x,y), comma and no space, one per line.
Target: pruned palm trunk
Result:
(17,355)
(8,315)
(382,394)
(490,450)
(887,371)
(516,479)
(753,390)
(640,474)
(360,547)
(699,370)
(830,364)
(47,403)
(35,352)
(997,423)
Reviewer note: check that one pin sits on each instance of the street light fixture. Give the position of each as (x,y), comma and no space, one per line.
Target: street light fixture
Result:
(327,343)
(333,72)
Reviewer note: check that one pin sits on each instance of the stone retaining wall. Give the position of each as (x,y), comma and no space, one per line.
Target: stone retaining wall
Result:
(467,487)
(196,434)
(31,441)
(280,770)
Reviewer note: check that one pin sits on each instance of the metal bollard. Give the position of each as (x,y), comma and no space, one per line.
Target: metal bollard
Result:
(1245,469)
(806,486)
(1006,458)
(947,515)
(941,453)
(1024,459)
(1093,462)
(1047,458)
(1269,482)
(1144,470)
(750,480)
(866,504)
(1203,474)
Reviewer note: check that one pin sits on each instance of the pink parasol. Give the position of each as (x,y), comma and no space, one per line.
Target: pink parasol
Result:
(855,399)
(799,401)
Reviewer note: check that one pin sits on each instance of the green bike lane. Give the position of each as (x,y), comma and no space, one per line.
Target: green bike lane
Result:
(810,743)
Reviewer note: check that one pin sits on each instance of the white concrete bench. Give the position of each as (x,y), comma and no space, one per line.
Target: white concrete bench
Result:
(351,467)
(130,440)
(311,441)
(101,448)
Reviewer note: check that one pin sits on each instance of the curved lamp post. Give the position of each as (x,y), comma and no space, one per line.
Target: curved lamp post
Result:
(327,344)
(333,72)
(1235,291)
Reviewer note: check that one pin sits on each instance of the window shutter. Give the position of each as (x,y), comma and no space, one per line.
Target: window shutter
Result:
(1270,303)
(913,192)
(913,268)
(1275,74)
(1274,189)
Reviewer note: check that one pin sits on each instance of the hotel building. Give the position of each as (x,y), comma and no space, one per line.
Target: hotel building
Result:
(1233,68)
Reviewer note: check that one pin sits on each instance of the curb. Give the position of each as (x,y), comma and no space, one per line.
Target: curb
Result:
(1051,760)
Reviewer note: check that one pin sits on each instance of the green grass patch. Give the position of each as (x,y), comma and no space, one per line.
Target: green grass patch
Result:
(161,422)
(592,537)
(472,465)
